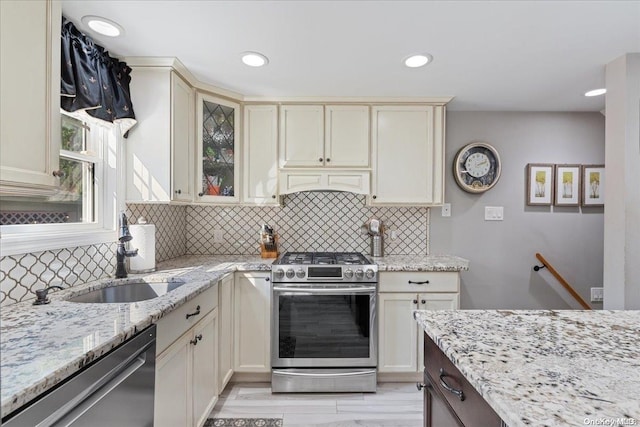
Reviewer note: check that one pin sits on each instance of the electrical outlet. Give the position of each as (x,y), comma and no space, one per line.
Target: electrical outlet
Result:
(446,209)
(218,236)
(597,294)
(393,234)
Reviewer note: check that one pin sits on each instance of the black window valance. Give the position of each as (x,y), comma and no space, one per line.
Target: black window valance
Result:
(92,82)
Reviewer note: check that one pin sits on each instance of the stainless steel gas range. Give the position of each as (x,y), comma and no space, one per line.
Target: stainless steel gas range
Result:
(324,322)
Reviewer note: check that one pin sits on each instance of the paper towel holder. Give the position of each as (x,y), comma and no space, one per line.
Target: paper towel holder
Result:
(146,248)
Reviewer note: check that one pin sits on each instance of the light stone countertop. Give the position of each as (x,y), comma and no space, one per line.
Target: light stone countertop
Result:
(545,368)
(40,346)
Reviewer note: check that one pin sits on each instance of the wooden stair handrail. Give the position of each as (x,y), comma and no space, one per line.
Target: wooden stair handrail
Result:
(563,282)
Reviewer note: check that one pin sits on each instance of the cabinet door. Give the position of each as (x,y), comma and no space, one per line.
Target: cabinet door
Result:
(218,174)
(408,155)
(204,348)
(398,333)
(30,85)
(252,323)
(346,136)
(182,129)
(261,154)
(434,301)
(225,332)
(301,136)
(173,385)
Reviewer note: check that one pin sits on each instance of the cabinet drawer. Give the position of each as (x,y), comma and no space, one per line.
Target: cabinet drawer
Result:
(473,410)
(174,324)
(419,282)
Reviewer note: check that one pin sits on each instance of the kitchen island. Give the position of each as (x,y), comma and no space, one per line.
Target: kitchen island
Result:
(545,368)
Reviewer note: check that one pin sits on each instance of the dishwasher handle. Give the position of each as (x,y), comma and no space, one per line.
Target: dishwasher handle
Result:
(84,401)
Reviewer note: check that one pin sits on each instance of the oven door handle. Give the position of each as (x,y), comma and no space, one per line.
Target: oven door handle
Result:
(310,291)
(317,374)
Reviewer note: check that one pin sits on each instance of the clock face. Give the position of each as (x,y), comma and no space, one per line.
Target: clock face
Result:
(476,167)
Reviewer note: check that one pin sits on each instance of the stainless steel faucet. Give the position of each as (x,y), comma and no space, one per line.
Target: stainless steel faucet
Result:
(121,252)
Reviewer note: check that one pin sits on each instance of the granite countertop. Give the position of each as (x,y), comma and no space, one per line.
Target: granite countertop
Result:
(43,345)
(545,368)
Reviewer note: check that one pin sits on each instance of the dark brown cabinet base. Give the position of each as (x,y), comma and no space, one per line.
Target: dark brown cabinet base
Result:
(449,399)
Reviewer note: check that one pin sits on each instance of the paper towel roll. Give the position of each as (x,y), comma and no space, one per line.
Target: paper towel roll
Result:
(144,239)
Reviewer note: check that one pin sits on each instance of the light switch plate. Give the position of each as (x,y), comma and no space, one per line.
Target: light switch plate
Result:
(493,213)
(446,209)
(597,294)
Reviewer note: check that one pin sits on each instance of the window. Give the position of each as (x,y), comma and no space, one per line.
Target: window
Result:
(74,201)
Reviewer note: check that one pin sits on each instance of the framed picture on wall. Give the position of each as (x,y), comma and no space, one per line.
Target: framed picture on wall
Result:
(539,184)
(567,189)
(592,185)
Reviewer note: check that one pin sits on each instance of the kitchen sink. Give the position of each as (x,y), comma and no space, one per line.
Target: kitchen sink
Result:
(128,292)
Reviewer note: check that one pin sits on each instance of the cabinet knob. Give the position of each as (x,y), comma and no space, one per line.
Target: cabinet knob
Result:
(375,197)
(58,173)
(415,301)
(424,301)
(273,196)
(178,191)
(201,194)
(320,159)
(328,160)
(420,386)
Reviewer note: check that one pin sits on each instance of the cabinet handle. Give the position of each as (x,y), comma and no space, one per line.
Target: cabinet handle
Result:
(58,173)
(411,282)
(196,339)
(320,159)
(195,313)
(328,160)
(178,191)
(415,301)
(448,387)
(420,386)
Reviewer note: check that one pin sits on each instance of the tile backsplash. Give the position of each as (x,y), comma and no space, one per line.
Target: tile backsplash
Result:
(21,275)
(307,221)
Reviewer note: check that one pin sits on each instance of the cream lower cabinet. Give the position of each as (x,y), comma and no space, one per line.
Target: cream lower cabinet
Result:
(400,340)
(187,362)
(225,331)
(252,322)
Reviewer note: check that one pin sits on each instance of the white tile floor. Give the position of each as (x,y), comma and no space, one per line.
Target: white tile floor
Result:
(394,405)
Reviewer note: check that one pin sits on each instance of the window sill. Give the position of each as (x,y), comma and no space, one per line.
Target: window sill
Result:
(19,243)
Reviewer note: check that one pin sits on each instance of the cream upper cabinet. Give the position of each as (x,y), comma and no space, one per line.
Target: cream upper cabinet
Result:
(182,140)
(30,85)
(407,155)
(346,136)
(218,176)
(160,148)
(260,184)
(324,136)
(301,136)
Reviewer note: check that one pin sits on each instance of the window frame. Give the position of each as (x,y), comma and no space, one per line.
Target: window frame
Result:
(108,200)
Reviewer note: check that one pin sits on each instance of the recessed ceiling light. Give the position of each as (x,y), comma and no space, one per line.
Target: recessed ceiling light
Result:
(254,59)
(415,61)
(103,26)
(596,92)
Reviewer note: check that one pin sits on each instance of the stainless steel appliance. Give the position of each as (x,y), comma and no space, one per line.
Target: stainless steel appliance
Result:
(324,322)
(115,390)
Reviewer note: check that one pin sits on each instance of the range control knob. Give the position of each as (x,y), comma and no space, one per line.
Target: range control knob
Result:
(290,273)
(279,273)
(359,273)
(370,274)
(348,273)
(300,273)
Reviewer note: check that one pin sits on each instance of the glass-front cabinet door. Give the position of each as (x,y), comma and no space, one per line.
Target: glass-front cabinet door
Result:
(218,122)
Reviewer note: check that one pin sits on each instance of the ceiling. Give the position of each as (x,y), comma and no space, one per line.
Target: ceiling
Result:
(491,55)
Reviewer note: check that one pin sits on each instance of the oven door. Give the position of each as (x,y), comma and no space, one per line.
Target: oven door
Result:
(324,325)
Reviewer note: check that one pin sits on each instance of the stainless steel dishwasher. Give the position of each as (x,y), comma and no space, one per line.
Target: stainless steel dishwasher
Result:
(115,390)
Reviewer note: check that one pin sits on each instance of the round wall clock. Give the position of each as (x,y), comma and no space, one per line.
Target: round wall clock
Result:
(476,167)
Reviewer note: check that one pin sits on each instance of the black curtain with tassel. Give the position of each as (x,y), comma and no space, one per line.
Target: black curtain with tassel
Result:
(93,82)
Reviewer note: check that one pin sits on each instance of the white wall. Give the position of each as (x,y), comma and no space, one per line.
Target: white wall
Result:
(502,254)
